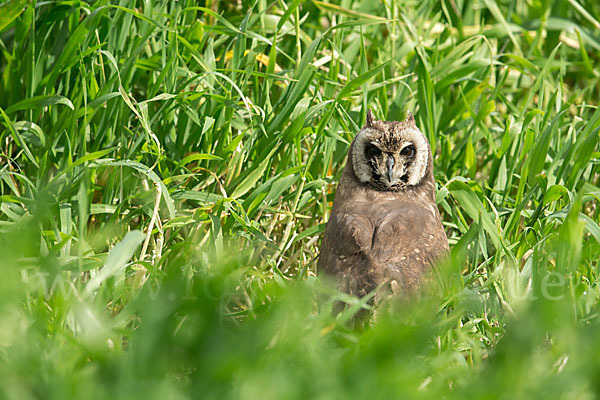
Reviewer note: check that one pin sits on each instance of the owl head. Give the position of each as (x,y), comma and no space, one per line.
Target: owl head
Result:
(390,155)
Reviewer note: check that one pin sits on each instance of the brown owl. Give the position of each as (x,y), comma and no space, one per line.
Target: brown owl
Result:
(385,229)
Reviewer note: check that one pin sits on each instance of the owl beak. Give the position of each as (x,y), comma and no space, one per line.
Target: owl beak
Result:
(390,167)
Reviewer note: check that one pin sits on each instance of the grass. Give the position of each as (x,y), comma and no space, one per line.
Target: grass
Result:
(167,169)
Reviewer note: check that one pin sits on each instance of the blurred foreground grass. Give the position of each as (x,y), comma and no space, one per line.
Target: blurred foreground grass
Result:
(167,167)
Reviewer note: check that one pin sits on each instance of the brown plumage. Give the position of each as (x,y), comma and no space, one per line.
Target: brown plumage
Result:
(384,229)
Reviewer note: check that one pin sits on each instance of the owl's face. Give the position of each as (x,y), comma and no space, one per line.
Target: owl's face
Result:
(390,155)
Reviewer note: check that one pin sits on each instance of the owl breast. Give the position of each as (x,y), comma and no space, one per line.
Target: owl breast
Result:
(369,244)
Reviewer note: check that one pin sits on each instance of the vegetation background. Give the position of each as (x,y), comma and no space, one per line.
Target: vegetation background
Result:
(167,168)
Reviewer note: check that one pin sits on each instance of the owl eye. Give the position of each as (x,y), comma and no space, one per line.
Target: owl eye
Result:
(372,151)
(408,151)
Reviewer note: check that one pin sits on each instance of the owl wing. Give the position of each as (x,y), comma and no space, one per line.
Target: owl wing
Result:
(347,234)
(348,238)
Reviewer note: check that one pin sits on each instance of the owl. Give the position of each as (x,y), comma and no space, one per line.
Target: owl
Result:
(385,230)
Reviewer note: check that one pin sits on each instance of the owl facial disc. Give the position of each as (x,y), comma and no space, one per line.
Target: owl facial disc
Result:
(390,155)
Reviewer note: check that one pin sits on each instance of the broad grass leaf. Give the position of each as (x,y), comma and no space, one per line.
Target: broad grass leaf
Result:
(293,95)
(585,148)
(97,208)
(160,97)
(250,181)
(203,197)
(97,102)
(286,15)
(313,230)
(280,186)
(141,16)
(570,239)
(18,138)
(458,74)
(554,193)
(10,10)
(360,80)
(426,100)
(524,64)
(93,156)
(117,260)
(540,151)
(469,201)
(31,127)
(39,102)
(591,226)
(197,157)
(65,226)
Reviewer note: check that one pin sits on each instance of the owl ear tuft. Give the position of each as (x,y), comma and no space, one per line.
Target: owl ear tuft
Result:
(370,119)
(411,119)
